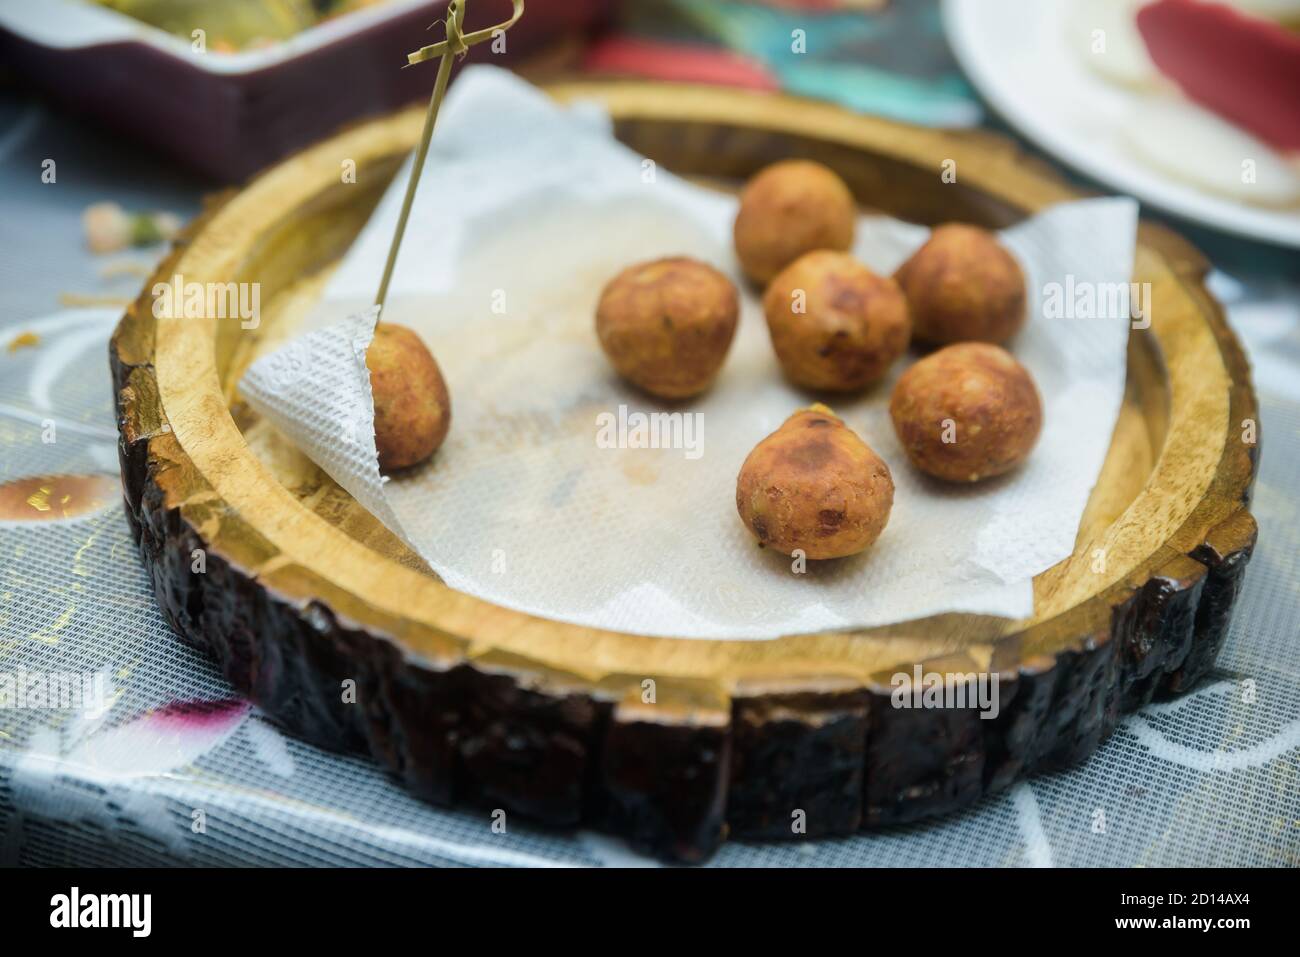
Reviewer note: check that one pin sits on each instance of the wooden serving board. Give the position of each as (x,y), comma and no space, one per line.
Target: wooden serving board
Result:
(303,592)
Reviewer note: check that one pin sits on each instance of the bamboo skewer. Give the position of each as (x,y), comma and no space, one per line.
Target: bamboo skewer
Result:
(456,44)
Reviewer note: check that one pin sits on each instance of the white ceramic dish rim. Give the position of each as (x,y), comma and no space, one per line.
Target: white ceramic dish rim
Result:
(80,24)
(973,26)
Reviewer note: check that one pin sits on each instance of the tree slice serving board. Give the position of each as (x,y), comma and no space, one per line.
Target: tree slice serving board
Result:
(304,596)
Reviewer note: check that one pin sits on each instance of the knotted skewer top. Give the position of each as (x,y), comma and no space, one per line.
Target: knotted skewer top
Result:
(458,43)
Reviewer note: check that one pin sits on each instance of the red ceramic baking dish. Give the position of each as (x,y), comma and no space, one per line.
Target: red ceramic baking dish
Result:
(228,114)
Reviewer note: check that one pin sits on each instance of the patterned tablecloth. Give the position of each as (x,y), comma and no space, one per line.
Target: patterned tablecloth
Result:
(175,768)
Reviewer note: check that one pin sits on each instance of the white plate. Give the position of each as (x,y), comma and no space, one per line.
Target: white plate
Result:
(1016,54)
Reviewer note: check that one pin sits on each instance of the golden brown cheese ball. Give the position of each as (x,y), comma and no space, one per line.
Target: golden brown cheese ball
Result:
(963,286)
(666,325)
(835,324)
(412,408)
(967,412)
(788,209)
(814,485)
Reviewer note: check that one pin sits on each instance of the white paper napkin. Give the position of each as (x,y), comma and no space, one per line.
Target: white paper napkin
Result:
(524,507)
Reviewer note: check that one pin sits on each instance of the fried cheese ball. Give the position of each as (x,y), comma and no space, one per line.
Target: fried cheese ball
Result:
(963,286)
(813,485)
(412,407)
(835,324)
(666,325)
(788,209)
(967,412)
